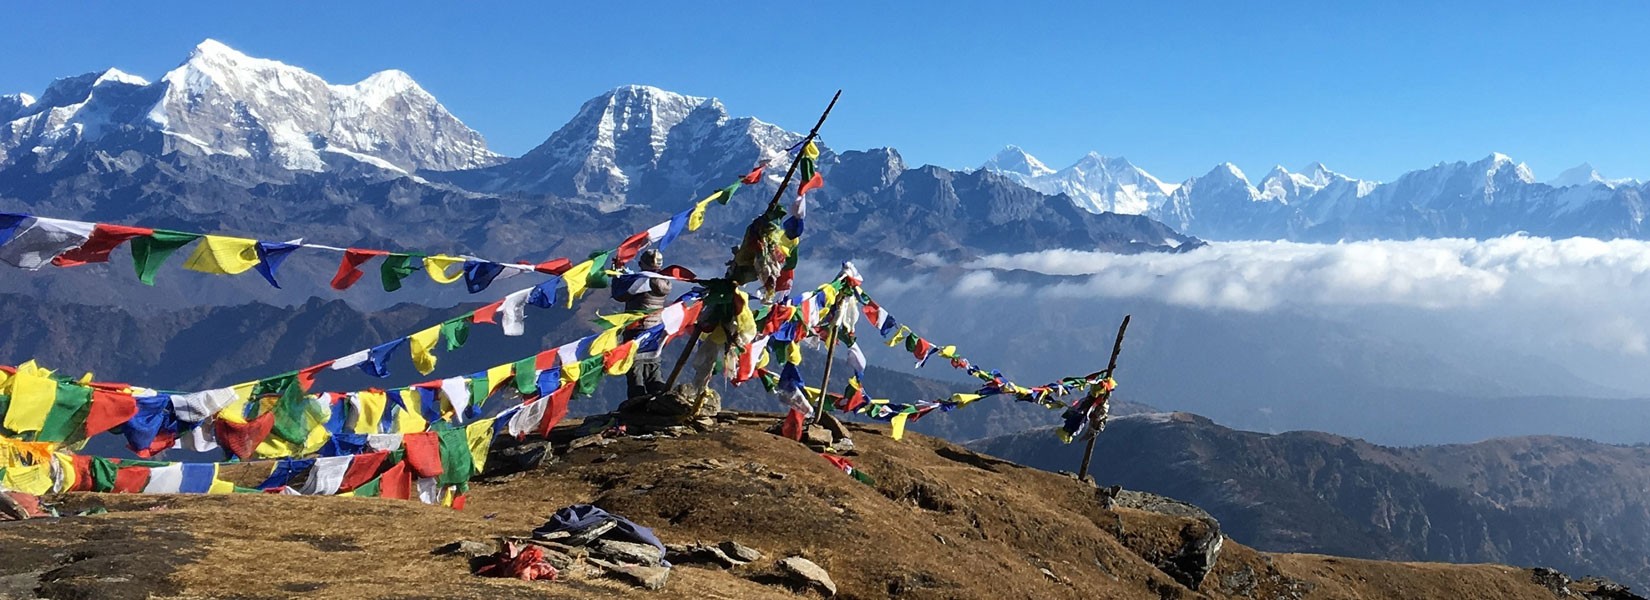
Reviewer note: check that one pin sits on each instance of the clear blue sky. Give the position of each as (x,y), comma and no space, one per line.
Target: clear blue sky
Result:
(1372,90)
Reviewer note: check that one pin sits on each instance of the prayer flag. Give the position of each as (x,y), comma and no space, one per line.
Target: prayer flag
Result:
(149,252)
(270,257)
(397,267)
(104,239)
(349,268)
(43,240)
(422,345)
(223,255)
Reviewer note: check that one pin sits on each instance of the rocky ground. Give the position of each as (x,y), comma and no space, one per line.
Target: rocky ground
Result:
(940,522)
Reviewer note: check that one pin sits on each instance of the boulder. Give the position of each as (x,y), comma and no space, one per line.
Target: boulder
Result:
(652,578)
(627,552)
(804,573)
(738,551)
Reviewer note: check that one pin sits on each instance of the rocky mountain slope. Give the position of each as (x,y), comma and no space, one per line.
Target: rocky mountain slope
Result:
(940,522)
(1567,503)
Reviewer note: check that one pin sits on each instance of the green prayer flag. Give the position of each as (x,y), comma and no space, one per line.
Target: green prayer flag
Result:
(150,251)
(598,277)
(455,457)
(590,375)
(395,268)
(370,488)
(456,332)
(103,474)
(68,413)
(480,389)
(5,405)
(527,379)
(290,422)
(725,194)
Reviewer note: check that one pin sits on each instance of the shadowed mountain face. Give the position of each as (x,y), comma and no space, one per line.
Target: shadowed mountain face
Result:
(1568,503)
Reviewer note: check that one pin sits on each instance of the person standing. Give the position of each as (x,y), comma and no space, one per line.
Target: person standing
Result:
(645,291)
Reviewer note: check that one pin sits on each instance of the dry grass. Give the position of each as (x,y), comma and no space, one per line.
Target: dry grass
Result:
(942,522)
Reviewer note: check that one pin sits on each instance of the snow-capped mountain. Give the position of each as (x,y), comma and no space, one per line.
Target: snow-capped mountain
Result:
(1490,197)
(638,143)
(1584,174)
(1096,183)
(225,106)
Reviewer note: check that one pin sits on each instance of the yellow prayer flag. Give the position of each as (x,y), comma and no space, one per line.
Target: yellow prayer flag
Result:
(608,340)
(496,377)
(33,392)
(65,469)
(275,447)
(408,419)
(35,479)
(697,217)
(480,437)
(899,336)
(437,266)
(621,319)
(964,399)
(898,424)
(220,486)
(422,343)
(221,255)
(570,373)
(575,280)
(809,150)
(371,412)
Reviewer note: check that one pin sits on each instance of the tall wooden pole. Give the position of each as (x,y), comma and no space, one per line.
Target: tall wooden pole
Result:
(693,339)
(830,353)
(1111,367)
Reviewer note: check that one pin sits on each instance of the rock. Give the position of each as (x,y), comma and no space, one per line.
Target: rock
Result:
(701,554)
(817,436)
(1197,554)
(738,551)
(465,548)
(805,573)
(1555,582)
(652,578)
(589,534)
(628,552)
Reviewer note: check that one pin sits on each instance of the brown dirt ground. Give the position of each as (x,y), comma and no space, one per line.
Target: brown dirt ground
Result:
(941,522)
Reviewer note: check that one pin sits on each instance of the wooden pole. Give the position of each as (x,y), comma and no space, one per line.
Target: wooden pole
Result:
(812,133)
(693,339)
(830,353)
(1111,367)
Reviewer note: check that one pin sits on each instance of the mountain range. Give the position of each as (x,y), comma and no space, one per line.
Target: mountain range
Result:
(1561,502)
(1490,197)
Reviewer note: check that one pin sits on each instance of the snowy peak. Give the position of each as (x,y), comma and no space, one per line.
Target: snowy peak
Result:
(1012,159)
(264,113)
(639,143)
(1095,182)
(1585,175)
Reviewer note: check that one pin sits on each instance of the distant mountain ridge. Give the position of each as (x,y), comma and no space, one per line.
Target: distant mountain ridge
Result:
(1535,501)
(1490,197)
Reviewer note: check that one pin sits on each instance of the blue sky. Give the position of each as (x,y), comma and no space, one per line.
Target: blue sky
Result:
(1372,90)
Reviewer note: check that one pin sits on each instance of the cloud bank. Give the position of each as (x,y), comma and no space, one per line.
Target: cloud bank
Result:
(1526,290)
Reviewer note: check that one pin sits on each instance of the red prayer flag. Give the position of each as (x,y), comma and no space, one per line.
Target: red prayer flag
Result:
(396,482)
(485,313)
(109,410)
(554,266)
(306,377)
(162,442)
(793,425)
(130,480)
(557,409)
(362,469)
(423,453)
(104,239)
(818,181)
(679,272)
(545,360)
(83,474)
(241,439)
(755,176)
(349,269)
(630,247)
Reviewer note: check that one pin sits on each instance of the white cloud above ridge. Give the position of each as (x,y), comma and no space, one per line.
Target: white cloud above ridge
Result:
(1424,274)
